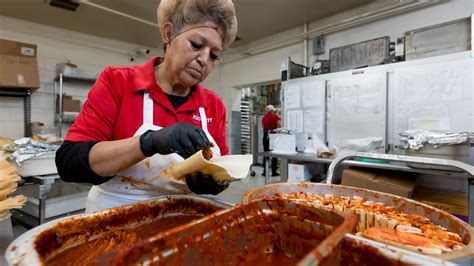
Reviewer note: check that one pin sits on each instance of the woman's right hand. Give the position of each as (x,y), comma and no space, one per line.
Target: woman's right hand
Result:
(200,183)
(181,138)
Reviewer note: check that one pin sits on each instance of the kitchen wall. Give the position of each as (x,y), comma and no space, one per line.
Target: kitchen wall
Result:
(265,66)
(91,54)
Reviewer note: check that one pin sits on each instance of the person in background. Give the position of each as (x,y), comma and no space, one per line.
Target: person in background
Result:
(140,119)
(270,121)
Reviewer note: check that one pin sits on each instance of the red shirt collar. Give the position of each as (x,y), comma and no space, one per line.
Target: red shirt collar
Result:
(145,80)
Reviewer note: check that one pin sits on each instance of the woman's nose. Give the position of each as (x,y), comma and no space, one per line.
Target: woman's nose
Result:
(204,56)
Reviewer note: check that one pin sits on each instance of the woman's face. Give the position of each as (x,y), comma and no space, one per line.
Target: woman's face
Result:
(193,53)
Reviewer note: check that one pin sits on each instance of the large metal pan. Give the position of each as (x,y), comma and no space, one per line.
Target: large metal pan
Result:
(37,245)
(437,216)
(359,251)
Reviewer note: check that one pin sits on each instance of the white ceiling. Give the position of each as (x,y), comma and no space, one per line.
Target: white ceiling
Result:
(257,18)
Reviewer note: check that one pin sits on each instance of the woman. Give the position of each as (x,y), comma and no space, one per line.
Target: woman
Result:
(138,120)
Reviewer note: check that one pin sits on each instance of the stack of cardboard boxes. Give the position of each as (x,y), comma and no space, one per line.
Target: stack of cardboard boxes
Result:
(404,184)
(383,181)
(448,201)
(18,65)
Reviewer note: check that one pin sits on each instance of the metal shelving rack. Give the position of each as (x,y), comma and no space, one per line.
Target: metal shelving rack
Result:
(58,95)
(24,93)
(245,124)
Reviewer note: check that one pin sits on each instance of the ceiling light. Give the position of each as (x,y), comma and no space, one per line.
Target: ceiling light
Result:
(63,4)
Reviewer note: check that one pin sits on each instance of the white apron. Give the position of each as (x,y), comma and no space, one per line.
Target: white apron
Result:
(140,181)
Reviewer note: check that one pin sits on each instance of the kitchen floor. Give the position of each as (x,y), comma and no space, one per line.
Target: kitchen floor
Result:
(236,189)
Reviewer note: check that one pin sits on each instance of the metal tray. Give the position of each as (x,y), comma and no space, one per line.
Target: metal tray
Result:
(437,216)
(359,251)
(247,234)
(459,152)
(70,231)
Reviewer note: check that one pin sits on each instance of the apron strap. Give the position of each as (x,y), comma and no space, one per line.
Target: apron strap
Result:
(147,109)
(202,114)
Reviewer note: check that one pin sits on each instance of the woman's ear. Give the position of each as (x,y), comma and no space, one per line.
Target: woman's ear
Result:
(167,32)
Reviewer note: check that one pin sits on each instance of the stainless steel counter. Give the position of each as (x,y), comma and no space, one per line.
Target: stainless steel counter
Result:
(49,198)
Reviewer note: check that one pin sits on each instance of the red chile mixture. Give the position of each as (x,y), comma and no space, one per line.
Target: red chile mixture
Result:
(266,242)
(86,252)
(99,234)
(244,235)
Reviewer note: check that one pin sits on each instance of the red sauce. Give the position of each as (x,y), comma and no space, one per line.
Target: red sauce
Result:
(101,232)
(277,257)
(244,235)
(87,252)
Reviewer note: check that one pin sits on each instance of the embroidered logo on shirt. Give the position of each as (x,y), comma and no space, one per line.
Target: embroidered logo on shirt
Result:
(197,119)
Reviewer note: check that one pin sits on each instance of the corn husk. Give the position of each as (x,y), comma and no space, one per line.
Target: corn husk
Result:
(8,184)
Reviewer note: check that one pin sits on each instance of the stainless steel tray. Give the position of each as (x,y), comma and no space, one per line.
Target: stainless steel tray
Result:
(437,216)
(73,230)
(359,251)
(459,152)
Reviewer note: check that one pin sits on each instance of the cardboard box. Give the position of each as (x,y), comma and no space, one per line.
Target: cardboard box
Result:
(18,72)
(301,172)
(18,65)
(67,69)
(396,183)
(18,49)
(449,201)
(69,104)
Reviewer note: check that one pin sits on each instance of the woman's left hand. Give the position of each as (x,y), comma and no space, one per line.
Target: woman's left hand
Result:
(200,183)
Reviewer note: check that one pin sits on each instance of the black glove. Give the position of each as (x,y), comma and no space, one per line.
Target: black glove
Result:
(181,138)
(200,183)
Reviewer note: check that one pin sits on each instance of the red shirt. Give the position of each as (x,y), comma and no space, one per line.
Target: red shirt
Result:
(270,121)
(114,107)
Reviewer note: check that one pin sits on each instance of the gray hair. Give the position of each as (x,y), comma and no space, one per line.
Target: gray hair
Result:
(188,12)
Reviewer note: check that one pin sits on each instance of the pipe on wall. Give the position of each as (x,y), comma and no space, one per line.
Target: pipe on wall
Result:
(113,11)
(305,44)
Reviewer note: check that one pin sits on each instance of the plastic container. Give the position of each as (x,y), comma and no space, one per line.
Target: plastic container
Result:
(267,232)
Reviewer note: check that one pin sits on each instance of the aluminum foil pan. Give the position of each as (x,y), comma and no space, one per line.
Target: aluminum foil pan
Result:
(416,139)
(437,216)
(26,148)
(34,246)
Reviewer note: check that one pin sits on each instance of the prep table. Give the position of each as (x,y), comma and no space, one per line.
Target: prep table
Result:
(49,198)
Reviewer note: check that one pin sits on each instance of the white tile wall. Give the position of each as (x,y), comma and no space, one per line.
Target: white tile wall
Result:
(91,54)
